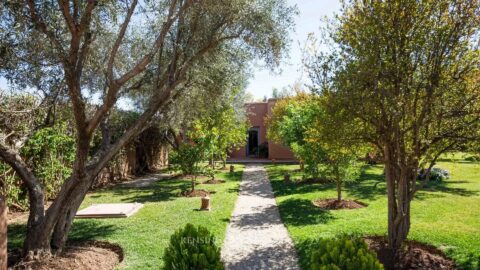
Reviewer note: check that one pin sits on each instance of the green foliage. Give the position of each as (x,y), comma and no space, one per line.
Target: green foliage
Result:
(192,248)
(343,253)
(318,137)
(11,188)
(51,152)
(220,130)
(187,158)
(209,172)
(289,123)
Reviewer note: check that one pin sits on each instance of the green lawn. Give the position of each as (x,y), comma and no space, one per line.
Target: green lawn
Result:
(445,215)
(145,235)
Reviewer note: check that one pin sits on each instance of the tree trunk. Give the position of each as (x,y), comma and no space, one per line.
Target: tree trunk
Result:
(339,190)
(397,179)
(193,183)
(65,219)
(34,240)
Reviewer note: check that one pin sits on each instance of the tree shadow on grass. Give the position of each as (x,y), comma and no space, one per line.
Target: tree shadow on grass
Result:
(159,191)
(368,186)
(164,190)
(16,235)
(233,190)
(82,230)
(90,229)
(235,176)
(433,189)
(298,212)
(280,188)
(304,249)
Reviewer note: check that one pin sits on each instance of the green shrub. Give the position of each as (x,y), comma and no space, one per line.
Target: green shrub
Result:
(192,248)
(207,171)
(51,152)
(187,158)
(343,253)
(473,158)
(11,187)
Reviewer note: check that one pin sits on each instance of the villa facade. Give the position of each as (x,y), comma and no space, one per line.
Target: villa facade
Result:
(257,145)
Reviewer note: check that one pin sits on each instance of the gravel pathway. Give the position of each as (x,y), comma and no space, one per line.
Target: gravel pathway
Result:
(256,237)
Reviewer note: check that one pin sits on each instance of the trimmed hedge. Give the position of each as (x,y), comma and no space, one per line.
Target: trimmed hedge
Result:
(343,253)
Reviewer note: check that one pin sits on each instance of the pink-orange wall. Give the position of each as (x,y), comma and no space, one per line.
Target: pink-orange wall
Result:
(256,113)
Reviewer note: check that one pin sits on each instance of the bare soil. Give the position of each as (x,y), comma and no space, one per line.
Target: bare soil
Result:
(413,256)
(213,181)
(90,255)
(334,204)
(196,193)
(16,215)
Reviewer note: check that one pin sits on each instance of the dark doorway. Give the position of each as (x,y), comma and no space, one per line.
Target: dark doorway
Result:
(252,145)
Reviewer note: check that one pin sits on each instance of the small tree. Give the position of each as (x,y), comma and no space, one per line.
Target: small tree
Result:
(289,123)
(340,166)
(187,158)
(220,131)
(319,135)
(332,133)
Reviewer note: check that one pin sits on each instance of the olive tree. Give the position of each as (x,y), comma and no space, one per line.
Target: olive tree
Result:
(112,49)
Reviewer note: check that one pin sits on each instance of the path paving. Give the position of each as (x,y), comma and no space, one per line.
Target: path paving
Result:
(256,237)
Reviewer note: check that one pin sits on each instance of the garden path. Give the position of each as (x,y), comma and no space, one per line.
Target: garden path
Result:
(256,236)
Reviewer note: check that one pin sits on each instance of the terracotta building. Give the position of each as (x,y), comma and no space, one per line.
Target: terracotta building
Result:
(257,145)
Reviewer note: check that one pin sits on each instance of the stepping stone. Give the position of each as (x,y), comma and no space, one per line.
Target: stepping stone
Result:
(109,210)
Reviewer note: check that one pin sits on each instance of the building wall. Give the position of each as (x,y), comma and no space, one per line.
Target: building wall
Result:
(256,113)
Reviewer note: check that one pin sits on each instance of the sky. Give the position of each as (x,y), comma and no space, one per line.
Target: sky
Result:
(308,21)
(290,71)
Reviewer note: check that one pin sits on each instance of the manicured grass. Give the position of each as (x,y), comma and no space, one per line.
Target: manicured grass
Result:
(446,215)
(145,235)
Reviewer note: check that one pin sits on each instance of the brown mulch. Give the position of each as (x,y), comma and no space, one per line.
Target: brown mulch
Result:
(414,255)
(196,193)
(90,255)
(214,181)
(333,204)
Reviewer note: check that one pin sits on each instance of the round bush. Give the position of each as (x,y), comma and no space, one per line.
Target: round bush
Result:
(192,248)
(343,253)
